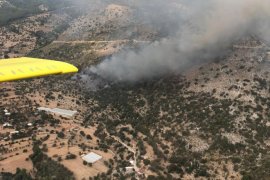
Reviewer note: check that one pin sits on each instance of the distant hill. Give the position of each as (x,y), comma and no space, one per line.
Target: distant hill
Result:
(14,9)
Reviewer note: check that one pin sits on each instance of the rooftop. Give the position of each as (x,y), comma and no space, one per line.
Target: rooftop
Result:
(64,112)
(91,157)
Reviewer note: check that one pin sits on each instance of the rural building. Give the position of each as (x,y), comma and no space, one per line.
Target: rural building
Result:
(91,157)
(63,112)
(5,125)
(7,113)
(129,169)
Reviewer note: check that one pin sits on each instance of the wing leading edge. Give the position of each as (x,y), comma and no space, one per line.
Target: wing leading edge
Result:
(24,67)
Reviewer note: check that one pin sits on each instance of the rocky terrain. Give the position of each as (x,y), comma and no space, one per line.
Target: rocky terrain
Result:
(208,122)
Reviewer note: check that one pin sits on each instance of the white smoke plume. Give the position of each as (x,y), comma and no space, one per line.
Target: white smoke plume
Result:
(198,31)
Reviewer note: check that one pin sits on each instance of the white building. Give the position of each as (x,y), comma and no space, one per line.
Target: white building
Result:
(14,132)
(7,125)
(91,157)
(63,112)
(129,169)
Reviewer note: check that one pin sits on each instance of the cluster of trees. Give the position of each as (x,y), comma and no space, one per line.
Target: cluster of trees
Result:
(46,168)
(21,174)
(183,111)
(71,156)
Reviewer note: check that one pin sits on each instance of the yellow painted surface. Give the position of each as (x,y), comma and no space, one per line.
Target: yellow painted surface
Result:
(24,67)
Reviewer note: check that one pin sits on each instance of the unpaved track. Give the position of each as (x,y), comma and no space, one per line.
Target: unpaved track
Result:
(89,42)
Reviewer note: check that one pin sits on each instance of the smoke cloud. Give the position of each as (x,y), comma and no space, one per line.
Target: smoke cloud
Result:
(197,31)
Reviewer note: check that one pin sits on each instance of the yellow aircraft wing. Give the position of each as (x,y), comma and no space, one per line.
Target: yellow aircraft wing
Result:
(24,67)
